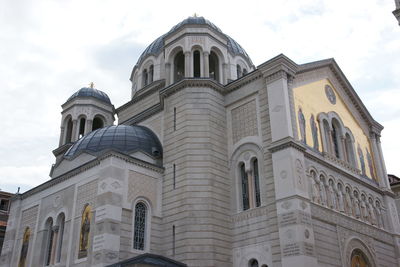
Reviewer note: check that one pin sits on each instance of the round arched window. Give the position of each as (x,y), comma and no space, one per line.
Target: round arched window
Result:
(358,259)
(253,263)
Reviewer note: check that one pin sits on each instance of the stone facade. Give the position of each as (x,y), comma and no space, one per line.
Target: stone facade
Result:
(237,185)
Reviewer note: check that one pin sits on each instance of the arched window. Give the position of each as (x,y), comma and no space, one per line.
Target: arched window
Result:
(336,138)
(256,183)
(179,66)
(24,248)
(245,187)
(253,263)
(145,78)
(68,133)
(238,71)
(60,235)
(196,64)
(49,242)
(82,123)
(151,74)
(140,226)
(358,259)
(97,123)
(84,232)
(214,66)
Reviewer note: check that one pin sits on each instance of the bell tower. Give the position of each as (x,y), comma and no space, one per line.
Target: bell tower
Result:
(86,110)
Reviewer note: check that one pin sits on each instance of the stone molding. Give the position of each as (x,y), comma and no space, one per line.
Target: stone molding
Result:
(192,82)
(242,81)
(88,166)
(350,224)
(143,93)
(286,143)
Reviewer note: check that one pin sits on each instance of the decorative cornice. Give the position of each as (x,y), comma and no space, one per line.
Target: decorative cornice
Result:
(88,165)
(278,67)
(144,114)
(286,143)
(242,81)
(143,93)
(192,82)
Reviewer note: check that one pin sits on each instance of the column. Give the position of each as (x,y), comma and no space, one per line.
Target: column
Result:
(250,181)
(187,63)
(206,64)
(88,126)
(62,129)
(167,74)
(74,131)
(224,75)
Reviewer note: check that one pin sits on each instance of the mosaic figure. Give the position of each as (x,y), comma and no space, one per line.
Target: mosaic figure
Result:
(314,132)
(370,165)
(361,157)
(340,198)
(302,125)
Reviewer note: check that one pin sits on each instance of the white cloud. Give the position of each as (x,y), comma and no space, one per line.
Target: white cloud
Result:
(49,49)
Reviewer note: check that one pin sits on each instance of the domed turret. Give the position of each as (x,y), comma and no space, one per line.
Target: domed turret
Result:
(86,110)
(194,48)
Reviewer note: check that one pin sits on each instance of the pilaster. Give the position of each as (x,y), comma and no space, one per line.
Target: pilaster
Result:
(108,217)
(206,64)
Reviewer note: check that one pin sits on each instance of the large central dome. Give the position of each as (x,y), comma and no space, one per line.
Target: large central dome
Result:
(156,47)
(193,48)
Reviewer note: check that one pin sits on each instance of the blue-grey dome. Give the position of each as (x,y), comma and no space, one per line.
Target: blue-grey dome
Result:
(156,47)
(122,138)
(91,92)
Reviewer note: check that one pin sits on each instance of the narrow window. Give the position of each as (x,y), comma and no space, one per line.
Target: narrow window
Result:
(174,119)
(49,246)
(245,188)
(97,123)
(145,77)
(151,74)
(173,240)
(68,134)
(256,183)
(85,232)
(335,140)
(238,71)
(24,248)
(349,150)
(196,64)
(140,226)
(244,71)
(214,66)
(82,123)
(60,224)
(174,176)
(179,67)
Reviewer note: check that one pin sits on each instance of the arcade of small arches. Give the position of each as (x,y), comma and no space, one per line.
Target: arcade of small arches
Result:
(346,199)
(75,129)
(194,63)
(338,141)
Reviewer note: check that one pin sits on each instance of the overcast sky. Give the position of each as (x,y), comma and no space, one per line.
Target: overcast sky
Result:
(50,49)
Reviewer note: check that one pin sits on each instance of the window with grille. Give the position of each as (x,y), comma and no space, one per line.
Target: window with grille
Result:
(140,226)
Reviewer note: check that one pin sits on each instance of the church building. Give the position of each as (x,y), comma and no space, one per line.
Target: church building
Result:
(214,162)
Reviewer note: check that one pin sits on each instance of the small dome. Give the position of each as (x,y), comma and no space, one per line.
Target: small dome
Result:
(122,138)
(157,46)
(91,92)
